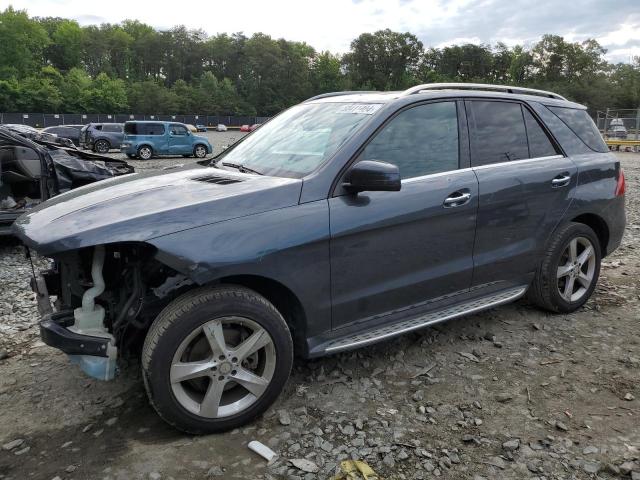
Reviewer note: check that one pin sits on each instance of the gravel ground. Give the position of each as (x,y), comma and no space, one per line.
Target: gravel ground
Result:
(509,393)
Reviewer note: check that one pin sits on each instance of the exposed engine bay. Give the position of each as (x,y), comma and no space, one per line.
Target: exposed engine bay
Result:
(110,293)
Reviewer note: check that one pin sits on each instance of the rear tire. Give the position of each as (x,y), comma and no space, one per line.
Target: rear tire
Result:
(569,270)
(216,358)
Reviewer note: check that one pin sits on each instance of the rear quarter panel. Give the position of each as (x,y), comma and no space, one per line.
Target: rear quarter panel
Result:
(595,194)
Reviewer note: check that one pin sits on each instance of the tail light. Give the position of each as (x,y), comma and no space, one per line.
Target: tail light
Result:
(620,186)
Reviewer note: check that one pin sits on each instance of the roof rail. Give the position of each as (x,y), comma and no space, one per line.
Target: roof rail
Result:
(339,94)
(480,86)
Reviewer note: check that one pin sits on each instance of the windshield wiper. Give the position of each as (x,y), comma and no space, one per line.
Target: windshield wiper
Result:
(241,168)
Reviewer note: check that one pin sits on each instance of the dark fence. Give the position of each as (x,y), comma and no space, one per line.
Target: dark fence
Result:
(41,120)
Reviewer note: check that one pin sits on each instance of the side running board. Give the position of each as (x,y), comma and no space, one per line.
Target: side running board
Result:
(384,332)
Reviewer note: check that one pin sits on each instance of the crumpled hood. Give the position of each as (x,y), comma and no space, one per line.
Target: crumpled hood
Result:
(139,207)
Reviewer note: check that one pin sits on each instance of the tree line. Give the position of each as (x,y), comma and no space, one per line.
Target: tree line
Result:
(55,65)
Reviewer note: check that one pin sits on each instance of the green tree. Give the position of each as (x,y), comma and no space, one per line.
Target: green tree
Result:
(10,94)
(66,47)
(53,63)
(150,97)
(22,42)
(625,85)
(384,60)
(75,89)
(326,74)
(107,95)
(39,94)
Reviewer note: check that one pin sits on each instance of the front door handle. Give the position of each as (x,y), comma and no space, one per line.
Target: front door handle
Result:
(456,199)
(561,180)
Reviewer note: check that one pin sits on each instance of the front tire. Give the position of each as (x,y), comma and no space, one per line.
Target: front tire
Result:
(216,358)
(569,270)
(200,151)
(145,152)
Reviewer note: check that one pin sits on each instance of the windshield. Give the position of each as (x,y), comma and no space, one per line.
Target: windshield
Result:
(298,141)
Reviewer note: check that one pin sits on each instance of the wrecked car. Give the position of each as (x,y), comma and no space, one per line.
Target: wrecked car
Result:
(36,166)
(346,220)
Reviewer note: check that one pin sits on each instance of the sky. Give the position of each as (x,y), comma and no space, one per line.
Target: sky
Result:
(332,24)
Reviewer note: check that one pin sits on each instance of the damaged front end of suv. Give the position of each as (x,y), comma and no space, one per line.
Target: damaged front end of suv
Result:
(123,249)
(91,322)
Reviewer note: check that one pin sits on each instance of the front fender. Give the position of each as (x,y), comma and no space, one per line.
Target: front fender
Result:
(289,245)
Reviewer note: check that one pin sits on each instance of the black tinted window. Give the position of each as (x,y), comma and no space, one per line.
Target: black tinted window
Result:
(582,125)
(497,132)
(420,141)
(539,143)
(144,129)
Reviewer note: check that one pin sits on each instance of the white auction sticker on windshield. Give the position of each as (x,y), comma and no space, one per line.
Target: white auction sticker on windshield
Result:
(361,108)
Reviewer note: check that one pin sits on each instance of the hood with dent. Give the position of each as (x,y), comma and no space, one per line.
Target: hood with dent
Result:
(139,207)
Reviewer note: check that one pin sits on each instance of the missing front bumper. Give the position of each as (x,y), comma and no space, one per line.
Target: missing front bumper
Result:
(96,356)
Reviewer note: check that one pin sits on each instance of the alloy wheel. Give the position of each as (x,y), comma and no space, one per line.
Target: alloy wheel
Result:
(576,269)
(223,367)
(145,153)
(200,151)
(102,146)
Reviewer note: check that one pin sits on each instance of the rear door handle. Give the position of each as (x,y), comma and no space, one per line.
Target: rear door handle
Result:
(456,199)
(561,180)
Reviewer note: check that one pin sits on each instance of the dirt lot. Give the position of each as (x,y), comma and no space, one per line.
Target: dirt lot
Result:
(510,393)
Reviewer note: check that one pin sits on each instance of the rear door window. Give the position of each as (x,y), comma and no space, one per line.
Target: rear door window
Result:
(497,131)
(582,126)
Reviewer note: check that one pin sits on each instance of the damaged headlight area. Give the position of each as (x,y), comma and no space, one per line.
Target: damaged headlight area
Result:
(105,298)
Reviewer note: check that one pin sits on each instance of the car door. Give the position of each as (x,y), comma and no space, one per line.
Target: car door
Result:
(179,140)
(525,188)
(396,250)
(157,136)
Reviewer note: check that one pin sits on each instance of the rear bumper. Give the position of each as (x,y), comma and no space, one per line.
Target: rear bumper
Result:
(54,332)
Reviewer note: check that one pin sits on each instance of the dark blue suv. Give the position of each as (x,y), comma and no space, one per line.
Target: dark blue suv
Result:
(348,219)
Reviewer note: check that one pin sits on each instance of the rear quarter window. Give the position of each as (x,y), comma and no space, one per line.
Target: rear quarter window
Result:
(582,126)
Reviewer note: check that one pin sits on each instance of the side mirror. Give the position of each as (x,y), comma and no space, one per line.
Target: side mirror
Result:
(373,176)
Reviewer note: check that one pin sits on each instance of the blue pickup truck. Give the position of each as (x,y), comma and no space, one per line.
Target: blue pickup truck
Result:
(144,140)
